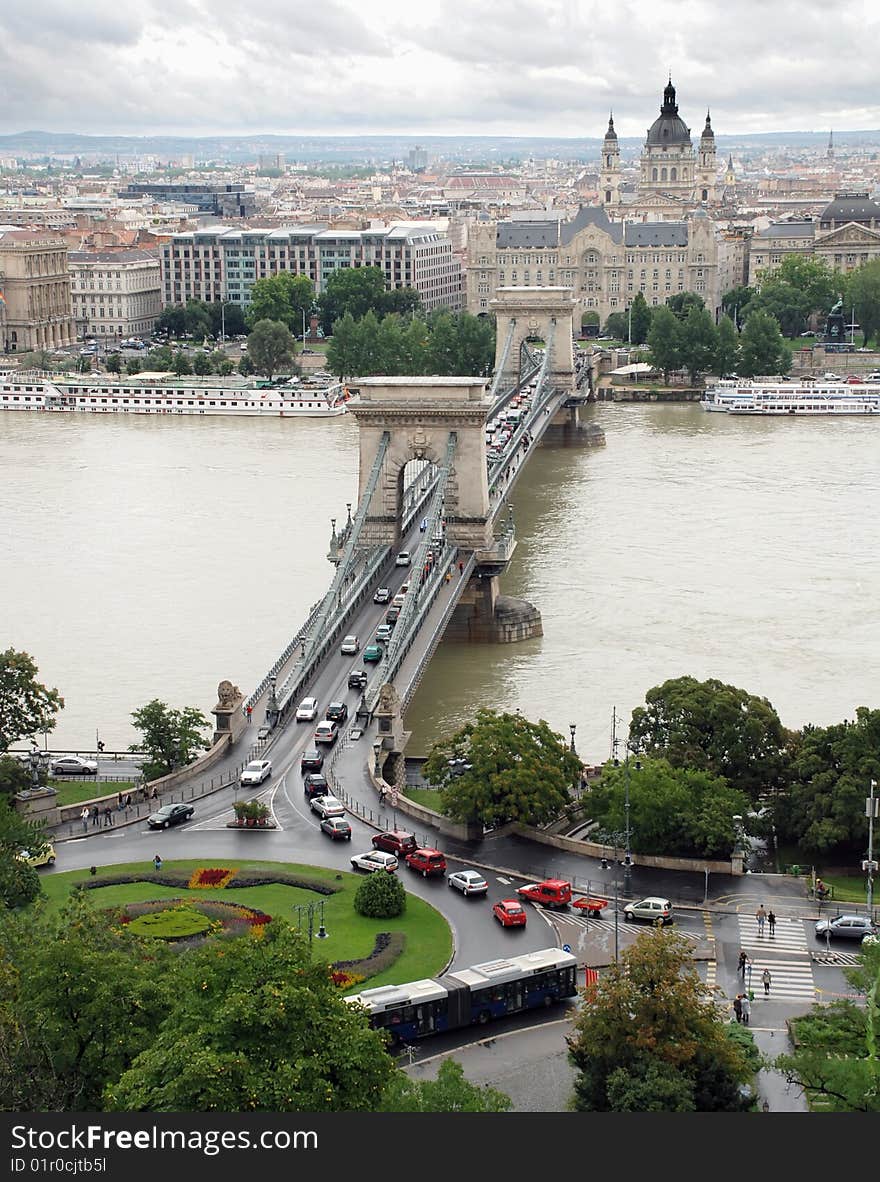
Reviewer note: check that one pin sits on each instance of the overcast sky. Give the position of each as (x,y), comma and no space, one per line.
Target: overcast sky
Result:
(493,67)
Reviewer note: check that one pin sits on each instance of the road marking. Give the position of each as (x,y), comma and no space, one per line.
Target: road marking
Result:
(506,881)
(791,980)
(606,925)
(847,959)
(790,938)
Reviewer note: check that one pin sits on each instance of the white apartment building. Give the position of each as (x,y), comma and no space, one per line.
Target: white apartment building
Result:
(220,263)
(116,293)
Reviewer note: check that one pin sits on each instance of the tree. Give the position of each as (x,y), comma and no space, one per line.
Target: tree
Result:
(762,350)
(510,769)
(343,350)
(180,363)
(735,302)
(785,303)
(401,301)
(161,359)
(824,809)
(284,297)
(726,348)
(673,811)
(380,896)
(647,1038)
(270,346)
(716,728)
(639,320)
(616,326)
(15,776)
(201,364)
(19,883)
(27,707)
(256,1025)
(351,289)
(133,366)
(665,341)
(84,364)
(172,320)
(197,319)
(113,363)
(863,292)
(813,278)
(699,342)
(449,1092)
(246,367)
(682,302)
(171,737)
(225,367)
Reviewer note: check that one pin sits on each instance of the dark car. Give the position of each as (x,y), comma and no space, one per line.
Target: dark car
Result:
(337,828)
(337,712)
(170,814)
(357,679)
(395,841)
(391,616)
(312,760)
(315,784)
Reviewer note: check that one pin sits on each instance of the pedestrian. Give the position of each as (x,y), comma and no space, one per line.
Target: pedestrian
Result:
(119,800)
(96,816)
(460,569)
(127,801)
(737,1007)
(741,968)
(746,1009)
(771,923)
(157,862)
(249,712)
(766,979)
(108,816)
(765,1106)
(448,576)
(760,916)
(153,793)
(84,817)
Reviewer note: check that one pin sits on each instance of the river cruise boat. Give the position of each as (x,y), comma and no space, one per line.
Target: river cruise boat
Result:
(164,396)
(797,399)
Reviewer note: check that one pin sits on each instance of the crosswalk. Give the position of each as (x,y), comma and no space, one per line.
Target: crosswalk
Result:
(785,953)
(607,925)
(789,937)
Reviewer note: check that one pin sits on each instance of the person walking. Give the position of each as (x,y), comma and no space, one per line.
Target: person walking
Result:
(741,967)
(761,916)
(746,1009)
(108,816)
(765,980)
(460,569)
(771,923)
(249,712)
(96,816)
(157,862)
(738,1007)
(84,817)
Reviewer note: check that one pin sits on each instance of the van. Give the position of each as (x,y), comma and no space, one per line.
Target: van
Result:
(513,417)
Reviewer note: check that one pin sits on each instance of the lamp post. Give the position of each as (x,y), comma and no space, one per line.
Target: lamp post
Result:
(272,710)
(870,865)
(627,857)
(572,726)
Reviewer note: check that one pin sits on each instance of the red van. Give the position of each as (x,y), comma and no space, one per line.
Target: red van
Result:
(426,861)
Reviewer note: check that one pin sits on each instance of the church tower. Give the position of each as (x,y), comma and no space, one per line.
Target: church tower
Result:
(707,169)
(829,154)
(609,174)
(730,176)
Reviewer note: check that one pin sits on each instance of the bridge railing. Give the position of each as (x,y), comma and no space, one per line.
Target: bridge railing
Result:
(436,636)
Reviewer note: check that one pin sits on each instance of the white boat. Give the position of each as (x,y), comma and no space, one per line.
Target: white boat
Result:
(798,399)
(185,397)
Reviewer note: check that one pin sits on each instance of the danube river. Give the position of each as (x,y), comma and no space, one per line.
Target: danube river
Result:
(149,557)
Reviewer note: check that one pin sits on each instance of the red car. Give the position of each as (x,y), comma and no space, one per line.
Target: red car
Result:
(426,861)
(510,913)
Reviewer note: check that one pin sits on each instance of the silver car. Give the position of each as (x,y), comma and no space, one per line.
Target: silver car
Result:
(469,882)
(845,927)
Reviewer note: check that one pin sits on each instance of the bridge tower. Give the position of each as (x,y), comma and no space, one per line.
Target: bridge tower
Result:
(533,310)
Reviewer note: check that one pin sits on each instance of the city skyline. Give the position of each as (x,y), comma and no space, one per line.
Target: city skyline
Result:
(183,67)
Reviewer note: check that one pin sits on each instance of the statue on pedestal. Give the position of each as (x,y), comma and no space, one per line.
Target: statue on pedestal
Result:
(835,325)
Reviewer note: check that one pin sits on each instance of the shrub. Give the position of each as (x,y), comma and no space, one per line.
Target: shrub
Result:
(181,878)
(381,896)
(388,947)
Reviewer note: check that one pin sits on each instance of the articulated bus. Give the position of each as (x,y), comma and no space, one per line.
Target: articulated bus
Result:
(471,996)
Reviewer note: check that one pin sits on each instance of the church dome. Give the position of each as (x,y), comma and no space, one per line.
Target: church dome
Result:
(670,129)
(611,134)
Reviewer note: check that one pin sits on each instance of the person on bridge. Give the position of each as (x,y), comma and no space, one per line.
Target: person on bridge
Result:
(448,576)
(249,712)
(460,569)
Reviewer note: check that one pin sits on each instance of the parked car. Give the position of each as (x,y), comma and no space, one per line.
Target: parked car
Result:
(326,732)
(170,814)
(46,858)
(312,760)
(256,772)
(327,806)
(372,653)
(402,558)
(315,784)
(375,860)
(426,862)
(396,841)
(510,913)
(349,646)
(383,594)
(337,828)
(846,927)
(383,633)
(357,679)
(468,882)
(653,909)
(72,765)
(337,712)
(307,710)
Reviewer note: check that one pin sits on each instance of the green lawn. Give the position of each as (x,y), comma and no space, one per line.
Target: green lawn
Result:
(349,935)
(73,791)
(849,888)
(429,797)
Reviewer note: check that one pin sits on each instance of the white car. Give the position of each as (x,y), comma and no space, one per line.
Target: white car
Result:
(72,765)
(307,710)
(326,731)
(327,806)
(375,860)
(256,772)
(349,646)
(469,882)
(652,909)
(402,558)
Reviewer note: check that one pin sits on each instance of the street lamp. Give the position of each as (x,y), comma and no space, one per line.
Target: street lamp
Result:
(869,865)
(627,858)
(272,710)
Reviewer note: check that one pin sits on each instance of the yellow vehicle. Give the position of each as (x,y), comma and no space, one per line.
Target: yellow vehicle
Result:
(46,858)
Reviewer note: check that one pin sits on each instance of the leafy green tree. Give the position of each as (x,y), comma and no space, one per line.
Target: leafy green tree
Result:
(246,367)
(699,342)
(225,367)
(197,319)
(673,811)
(84,364)
(389,346)
(285,297)
(442,356)
(15,776)
(449,1092)
(256,1025)
(639,320)
(133,366)
(380,896)
(368,351)
(401,301)
(735,302)
(201,364)
(717,728)
(80,998)
(785,303)
(113,363)
(270,346)
(682,302)
(414,341)
(172,319)
(762,350)
(27,707)
(351,289)
(665,341)
(19,883)
(180,364)
(648,1038)
(476,345)
(816,281)
(616,326)
(343,350)
(726,348)
(824,809)
(590,319)
(161,359)
(511,770)
(863,293)
(171,737)
(215,359)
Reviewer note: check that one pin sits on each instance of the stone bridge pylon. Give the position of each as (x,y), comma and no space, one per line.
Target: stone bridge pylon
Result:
(545,313)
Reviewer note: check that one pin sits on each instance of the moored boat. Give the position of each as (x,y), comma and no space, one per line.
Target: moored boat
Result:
(799,399)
